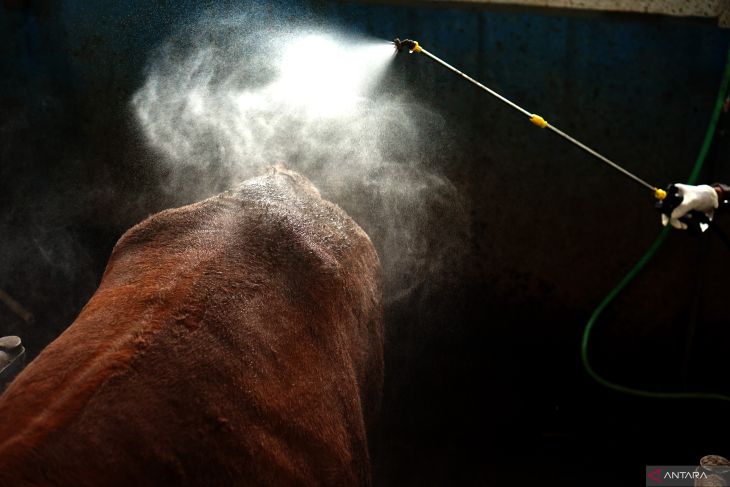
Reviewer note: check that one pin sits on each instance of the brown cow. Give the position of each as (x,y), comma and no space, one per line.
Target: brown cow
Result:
(235,341)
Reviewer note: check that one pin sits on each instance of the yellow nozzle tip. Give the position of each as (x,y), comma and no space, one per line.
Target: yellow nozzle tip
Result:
(538,120)
(416,47)
(659,194)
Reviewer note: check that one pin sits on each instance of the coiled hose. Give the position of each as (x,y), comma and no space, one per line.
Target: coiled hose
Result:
(629,277)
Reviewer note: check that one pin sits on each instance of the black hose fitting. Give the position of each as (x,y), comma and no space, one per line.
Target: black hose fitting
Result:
(404,44)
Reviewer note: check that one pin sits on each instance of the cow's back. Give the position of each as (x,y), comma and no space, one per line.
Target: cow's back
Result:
(236,340)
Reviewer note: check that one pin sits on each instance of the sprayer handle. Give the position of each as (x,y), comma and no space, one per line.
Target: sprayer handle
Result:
(693,219)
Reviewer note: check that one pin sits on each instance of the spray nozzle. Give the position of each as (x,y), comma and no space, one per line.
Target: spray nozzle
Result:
(412,46)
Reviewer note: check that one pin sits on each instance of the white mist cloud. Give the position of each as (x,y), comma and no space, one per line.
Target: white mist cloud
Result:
(326,76)
(226,98)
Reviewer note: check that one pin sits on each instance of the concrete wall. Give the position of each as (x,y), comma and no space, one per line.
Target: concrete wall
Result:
(682,8)
(715,9)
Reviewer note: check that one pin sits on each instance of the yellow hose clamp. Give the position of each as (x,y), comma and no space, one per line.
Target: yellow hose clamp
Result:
(416,47)
(538,120)
(660,194)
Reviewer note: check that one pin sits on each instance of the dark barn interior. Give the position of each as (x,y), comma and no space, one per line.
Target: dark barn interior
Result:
(484,383)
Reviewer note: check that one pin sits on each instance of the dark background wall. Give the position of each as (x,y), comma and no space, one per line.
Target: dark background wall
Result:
(484,383)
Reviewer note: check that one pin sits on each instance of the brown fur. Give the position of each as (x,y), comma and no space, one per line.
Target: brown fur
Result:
(236,341)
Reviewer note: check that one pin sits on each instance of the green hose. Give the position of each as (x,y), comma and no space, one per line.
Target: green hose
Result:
(706,144)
